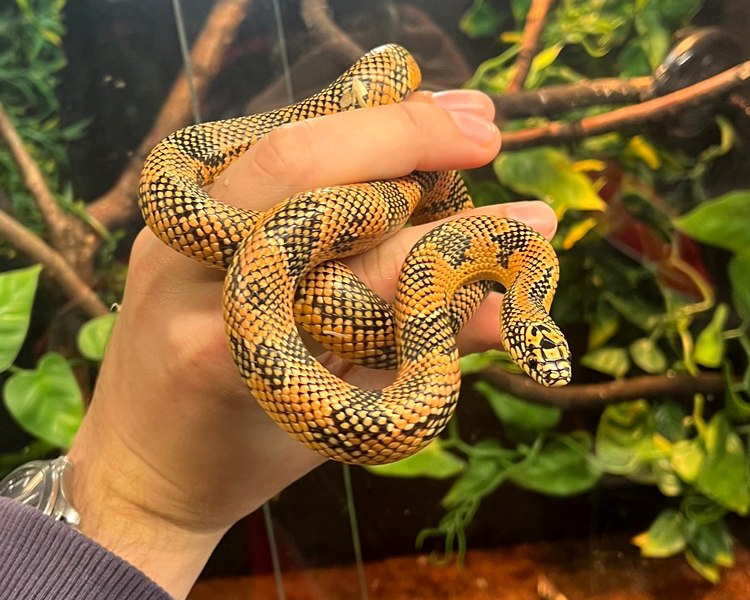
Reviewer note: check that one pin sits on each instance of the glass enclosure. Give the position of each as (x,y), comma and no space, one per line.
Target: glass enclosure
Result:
(630,118)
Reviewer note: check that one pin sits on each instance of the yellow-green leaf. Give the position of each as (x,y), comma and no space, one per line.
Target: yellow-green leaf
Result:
(548,174)
(17,289)
(577,232)
(709,346)
(432,461)
(666,536)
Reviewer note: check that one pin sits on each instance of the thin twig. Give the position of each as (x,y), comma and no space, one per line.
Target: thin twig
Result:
(556,99)
(593,395)
(118,205)
(535,21)
(559,132)
(34,180)
(55,266)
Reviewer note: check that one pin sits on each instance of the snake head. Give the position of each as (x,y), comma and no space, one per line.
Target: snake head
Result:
(541,350)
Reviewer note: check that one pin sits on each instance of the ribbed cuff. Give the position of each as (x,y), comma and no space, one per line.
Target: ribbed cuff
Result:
(43,559)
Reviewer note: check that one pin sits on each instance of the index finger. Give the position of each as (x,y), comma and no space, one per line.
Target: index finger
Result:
(362,145)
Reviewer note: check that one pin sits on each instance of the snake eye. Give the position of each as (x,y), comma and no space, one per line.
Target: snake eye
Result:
(547,344)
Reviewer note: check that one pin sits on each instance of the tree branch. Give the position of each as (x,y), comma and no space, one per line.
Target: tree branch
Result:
(54,218)
(558,132)
(535,21)
(594,395)
(118,205)
(556,99)
(55,266)
(317,18)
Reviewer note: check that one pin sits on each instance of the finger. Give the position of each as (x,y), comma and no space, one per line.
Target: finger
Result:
(468,101)
(360,145)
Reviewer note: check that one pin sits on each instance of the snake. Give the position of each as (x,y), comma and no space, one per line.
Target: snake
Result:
(284,276)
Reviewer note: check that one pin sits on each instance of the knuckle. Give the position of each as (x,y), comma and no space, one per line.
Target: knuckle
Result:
(284,155)
(412,116)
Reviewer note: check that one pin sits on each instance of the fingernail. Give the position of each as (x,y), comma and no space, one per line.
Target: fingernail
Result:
(535,214)
(477,129)
(466,101)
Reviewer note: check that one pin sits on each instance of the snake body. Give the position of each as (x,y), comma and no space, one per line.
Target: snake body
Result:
(282,272)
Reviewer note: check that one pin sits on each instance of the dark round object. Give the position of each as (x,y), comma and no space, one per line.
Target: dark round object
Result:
(697,55)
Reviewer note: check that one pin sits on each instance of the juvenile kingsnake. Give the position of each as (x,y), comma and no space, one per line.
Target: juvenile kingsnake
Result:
(281,271)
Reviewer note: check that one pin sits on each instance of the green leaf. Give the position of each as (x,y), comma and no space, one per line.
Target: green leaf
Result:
(633,60)
(484,472)
(94,335)
(612,361)
(548,174)
(666,536)
(471,364)
(653,37)
(677,12)
(17,289)
(725,475)
(481,20)
(625,440)
(739,277)
(736,406)
(606,323)
(723,222)
(669,420)
(46,401)
(432,461)
(543,60)
(687,458)
(647,355)
(708,571)
(700,510)
(519,414)
(709,346)
(712,544)
(635,309)
(562,467)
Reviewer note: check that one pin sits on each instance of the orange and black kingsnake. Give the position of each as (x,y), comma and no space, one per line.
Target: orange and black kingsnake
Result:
(281,271)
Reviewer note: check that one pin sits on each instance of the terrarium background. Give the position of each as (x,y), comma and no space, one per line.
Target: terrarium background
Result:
(122,60)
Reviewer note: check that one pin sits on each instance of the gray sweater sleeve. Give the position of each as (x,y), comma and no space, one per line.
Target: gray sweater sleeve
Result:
(43,559)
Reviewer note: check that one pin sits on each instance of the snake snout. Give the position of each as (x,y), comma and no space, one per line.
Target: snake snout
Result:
(547,356)
(556,373)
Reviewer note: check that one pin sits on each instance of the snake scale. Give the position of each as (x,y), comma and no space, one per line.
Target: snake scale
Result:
(282,273)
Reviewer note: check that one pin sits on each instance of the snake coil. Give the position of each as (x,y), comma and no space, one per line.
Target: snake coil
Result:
(282,272)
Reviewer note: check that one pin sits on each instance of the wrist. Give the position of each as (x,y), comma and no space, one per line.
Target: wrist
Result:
(125,507)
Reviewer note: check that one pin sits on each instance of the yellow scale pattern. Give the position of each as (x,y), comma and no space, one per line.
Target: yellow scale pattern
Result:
(281,272)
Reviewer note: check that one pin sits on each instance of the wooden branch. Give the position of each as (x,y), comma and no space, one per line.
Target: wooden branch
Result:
(555,99)
(54,218)
(317,19)
(558,132)
(67,234)
(117,206)
(55,266)
(593,395)
(535,21)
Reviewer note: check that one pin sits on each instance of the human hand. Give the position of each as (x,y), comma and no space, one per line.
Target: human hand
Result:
(173,450)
